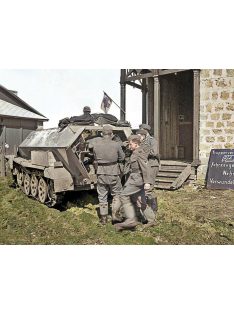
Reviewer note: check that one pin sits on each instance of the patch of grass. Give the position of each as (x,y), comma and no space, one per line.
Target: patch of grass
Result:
(186,216)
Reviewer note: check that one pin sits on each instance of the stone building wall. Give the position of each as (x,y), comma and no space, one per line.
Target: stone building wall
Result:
(216,113)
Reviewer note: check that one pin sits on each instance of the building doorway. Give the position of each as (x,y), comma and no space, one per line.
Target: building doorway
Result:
(176,116)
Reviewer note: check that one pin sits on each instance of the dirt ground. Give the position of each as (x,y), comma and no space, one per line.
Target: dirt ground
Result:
(189,216)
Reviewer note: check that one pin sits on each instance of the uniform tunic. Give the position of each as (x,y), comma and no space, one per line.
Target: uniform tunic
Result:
(107,155)
(139,172)
(133,194)
(150,146)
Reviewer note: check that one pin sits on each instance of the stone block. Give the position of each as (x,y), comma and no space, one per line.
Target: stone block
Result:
(202,154)
(217,72)
(224,95)
(202,124)
(210,139)
(209,83)
(209,124)
(226,116)
(205,95)
(229,145)
(205,132)
(220,124)
(230,72)
(217,131)
(201,173)
(230,107)
(219,107)
(223,83)
(233,95)
(209,107)
(202,108)
(221,139)
(205,73)
(215,95)
(215,116)
(203,116)
(205,159)
(232,82)
(203,140)
(218,146)
(230,124)
(204,147)
(230,139)
(229,131)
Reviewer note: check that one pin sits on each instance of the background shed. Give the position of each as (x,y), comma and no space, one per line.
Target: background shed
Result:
(17,120)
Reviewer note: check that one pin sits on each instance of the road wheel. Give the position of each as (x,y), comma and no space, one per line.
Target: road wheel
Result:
(20,178)
(42,190)
(34,185)
(27,181)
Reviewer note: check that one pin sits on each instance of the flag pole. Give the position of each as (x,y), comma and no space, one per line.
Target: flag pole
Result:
(114,102)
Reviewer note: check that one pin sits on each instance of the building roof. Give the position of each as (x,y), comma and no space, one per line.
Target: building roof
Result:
(12,97)
(9,109)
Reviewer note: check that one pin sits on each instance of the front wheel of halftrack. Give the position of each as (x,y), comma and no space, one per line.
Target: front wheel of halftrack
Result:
(27,182)
(42,190)
(34,186)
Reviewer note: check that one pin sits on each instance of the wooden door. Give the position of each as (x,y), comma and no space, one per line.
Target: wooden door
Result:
(176,116)
(169,134)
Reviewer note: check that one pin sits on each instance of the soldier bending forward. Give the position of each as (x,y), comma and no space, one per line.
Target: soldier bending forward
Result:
(133,193)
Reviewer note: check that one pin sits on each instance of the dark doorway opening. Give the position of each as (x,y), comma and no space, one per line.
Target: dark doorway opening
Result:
(176,116)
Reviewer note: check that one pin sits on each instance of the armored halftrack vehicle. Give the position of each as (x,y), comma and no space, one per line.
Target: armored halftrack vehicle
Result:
(50,162)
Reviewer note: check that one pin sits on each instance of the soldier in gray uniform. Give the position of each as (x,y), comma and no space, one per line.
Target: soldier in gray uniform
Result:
(86,118)
(154,159)
(107,154)
(150,146)
(133,193)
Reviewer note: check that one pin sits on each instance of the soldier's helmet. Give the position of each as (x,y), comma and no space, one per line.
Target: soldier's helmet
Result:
(145,126)
(141,132)
(86,109)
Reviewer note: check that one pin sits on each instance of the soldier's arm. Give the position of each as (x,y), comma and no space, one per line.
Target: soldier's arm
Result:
(153,146)
(144,166)
(146,147)
(121,154)
(154,149)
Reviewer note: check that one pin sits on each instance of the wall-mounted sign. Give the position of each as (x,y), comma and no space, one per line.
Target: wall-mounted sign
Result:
(220,173)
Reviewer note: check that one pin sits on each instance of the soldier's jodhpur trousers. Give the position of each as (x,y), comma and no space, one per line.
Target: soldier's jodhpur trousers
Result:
(152,205)
(107,184)
(130,203)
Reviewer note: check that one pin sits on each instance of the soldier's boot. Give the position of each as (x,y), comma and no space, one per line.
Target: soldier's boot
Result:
(116,210)
(103,212)
(131,220)
(153,202)
(103,219)
(151,209)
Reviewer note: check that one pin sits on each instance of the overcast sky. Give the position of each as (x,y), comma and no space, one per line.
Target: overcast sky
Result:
(63,93)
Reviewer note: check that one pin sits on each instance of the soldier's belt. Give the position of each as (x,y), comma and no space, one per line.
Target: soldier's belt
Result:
(107,164)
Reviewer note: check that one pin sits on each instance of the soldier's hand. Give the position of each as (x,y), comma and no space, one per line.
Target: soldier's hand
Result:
(147,186)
